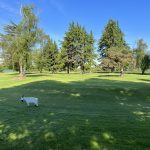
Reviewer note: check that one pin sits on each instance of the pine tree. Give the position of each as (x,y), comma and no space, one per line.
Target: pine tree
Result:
(145,63)
(77,48)
(111,37)
(51,55)
(114,51)
(68,47)
(46,56)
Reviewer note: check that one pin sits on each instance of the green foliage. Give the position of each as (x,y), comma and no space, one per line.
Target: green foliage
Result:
(2,67)
(145,64)
(77,48)
(140,52)
(51,55)
(111,37)
(114,52)
(8,45)
(46,57)
(20,38)
(119,58)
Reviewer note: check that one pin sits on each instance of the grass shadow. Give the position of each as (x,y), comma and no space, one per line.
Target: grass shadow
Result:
(110,75)
(146,80)
(91,114)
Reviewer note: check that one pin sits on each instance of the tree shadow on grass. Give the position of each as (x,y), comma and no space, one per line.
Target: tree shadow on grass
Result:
(138,73)
(92,114)
(31,74)
(110,75)
(146,80)
(38,75)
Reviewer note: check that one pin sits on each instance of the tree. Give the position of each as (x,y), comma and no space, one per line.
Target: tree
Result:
(51,55)
(114,52)
(20,38)
(111,37)
(46,56)
(38,59)
(8,46)
(69,46)
(88,50)
(117,58)
(77,48)
(145,64)
(140,52)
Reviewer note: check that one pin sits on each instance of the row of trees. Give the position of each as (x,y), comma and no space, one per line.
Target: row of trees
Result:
(26,46)
(116,54)
(77,51)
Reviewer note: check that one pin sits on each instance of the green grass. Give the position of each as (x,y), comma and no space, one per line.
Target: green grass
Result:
(76,112)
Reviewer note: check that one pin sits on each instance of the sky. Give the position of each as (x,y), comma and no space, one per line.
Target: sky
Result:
(56,15)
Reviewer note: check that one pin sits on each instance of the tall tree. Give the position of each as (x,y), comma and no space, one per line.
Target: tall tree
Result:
(117,58)
(87,50)
(145,64)
(8,46)
(140,52)
(46,56)
(114,52)
(69,46)
(111,37)
(77,47)
(20,38)
(51,55)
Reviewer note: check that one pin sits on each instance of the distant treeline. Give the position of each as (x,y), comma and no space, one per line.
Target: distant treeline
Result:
(26,47)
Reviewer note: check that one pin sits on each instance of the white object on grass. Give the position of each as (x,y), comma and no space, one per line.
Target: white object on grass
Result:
(30,100)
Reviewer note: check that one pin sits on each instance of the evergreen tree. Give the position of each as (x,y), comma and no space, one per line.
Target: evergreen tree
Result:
(87,55)
(111,37)
(51,55)
(69,47)
(113,49)
(77,48)
(145,64)
(117,58)
(46,56)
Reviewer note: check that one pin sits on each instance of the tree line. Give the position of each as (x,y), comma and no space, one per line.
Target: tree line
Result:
(26,47)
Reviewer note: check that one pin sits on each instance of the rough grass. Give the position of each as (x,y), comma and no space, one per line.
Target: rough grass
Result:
(76,112)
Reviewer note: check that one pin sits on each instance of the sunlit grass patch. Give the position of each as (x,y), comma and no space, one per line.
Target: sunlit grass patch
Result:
(91,111)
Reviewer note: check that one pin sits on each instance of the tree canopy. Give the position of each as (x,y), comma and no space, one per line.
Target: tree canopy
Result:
(112,37)
(19,39)
(25,45)
(114,52)
(77,48)
(140,52)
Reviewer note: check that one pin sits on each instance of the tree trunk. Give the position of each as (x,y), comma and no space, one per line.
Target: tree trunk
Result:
(13,65)
(143,71)
(112,69)
(68,68)
(22,70)
(82,69)
(122,72)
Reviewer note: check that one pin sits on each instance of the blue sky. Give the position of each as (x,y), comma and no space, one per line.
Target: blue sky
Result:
(55,16)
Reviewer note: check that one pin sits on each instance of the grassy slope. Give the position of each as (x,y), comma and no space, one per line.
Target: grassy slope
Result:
(92,111)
